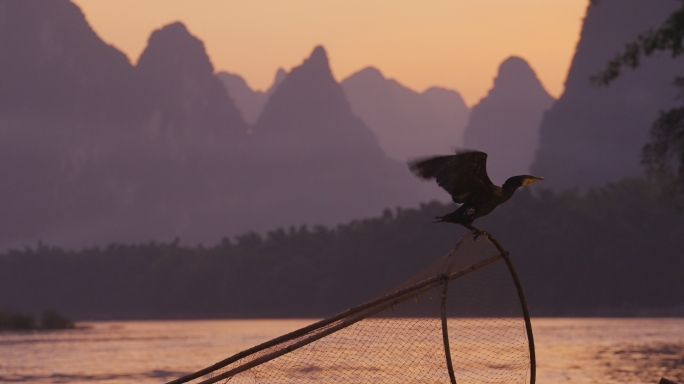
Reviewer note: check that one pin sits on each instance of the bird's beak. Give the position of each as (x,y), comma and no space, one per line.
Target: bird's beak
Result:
(532,179)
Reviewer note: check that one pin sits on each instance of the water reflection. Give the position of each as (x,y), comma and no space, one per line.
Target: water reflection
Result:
(609,350)
(568,350)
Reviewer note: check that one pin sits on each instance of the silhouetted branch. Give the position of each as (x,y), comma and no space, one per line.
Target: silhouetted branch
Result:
(668,37)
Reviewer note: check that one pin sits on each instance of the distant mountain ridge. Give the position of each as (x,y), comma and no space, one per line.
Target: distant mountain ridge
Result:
(49,50)
(250,102)
(408,124)
(505,123)
(97,150)
(307,132)
(179,77)
(594,135)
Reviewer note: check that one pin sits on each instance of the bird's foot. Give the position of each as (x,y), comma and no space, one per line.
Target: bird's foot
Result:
(476,232)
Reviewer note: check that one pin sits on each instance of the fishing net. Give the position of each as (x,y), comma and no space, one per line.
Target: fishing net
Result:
(462,320)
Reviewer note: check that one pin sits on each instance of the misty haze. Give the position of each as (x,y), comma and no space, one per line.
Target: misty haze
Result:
(165,186)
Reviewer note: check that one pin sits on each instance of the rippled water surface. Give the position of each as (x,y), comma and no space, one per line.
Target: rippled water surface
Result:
(568,350)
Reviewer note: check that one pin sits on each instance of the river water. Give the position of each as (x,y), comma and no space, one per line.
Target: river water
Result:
(568,350)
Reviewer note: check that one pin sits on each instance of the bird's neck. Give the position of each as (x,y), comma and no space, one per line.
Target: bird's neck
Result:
(507,191)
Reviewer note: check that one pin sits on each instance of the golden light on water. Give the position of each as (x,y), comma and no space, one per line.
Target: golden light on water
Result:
(453,44)
(568,350)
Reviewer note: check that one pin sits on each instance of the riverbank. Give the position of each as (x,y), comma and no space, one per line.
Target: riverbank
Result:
(50,320)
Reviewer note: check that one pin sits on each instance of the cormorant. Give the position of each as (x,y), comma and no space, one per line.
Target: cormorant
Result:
(464,176)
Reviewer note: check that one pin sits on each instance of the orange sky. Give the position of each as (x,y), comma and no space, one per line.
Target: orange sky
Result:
(456,44)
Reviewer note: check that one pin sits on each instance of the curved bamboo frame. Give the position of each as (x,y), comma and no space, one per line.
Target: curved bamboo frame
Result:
(445,333)
(523,305)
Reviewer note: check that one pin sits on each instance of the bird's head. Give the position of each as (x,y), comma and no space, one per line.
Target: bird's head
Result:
(516,182)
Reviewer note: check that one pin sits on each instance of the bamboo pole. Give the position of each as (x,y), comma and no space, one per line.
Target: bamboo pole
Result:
(355,314)
(419,288)
(299,332)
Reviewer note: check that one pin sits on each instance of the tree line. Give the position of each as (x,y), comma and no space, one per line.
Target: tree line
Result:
(615,250)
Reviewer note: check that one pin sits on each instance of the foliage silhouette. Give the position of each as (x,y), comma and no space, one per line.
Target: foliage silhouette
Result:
(51,320)
(615,250)
(54,320)
(664,154)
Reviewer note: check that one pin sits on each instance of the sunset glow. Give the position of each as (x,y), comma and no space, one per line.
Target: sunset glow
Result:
(453,44)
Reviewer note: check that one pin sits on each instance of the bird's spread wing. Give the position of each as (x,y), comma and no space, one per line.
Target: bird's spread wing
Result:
(463,175)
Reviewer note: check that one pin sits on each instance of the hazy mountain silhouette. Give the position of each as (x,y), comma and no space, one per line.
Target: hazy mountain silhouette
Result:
(188,99)
(408,124)
(505,123)
(176,178)
(96,150)
(66,100)
(53,65)
(249,101)
(321,163)
(593,135)
(309,104)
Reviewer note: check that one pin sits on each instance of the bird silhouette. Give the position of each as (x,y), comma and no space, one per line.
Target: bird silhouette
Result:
(464,176)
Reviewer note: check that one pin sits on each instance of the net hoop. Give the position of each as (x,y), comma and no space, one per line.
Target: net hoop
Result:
(362,311)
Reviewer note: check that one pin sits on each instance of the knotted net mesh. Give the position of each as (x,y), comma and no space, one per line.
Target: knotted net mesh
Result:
(461,320)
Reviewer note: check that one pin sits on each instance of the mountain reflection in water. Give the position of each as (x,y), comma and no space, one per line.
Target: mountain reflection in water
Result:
(568,350)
